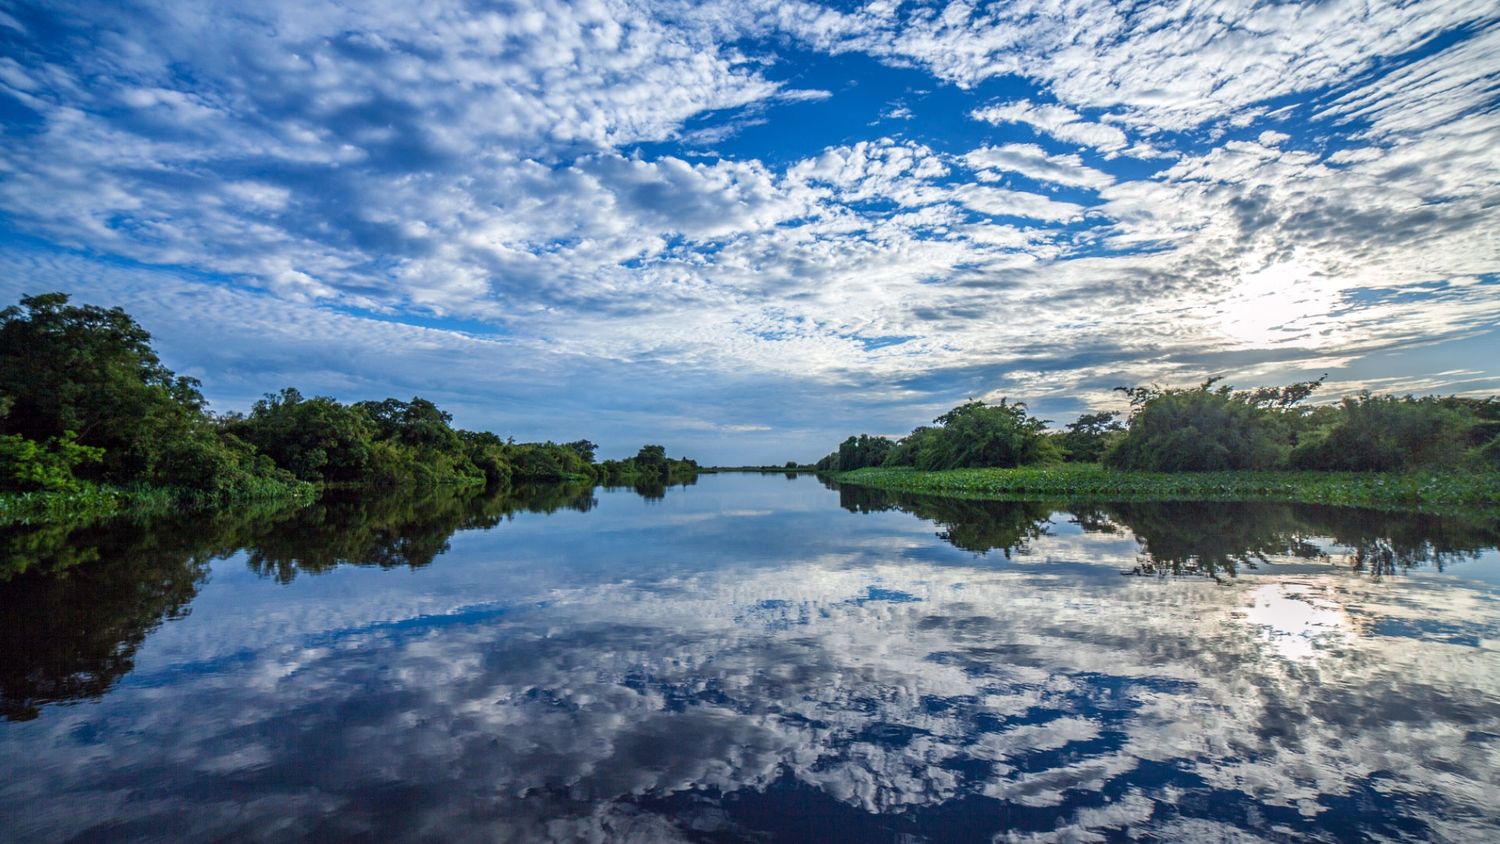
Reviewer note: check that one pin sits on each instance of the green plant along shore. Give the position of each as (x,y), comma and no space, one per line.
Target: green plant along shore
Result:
(92,422)
(1205,442)
(1092,482)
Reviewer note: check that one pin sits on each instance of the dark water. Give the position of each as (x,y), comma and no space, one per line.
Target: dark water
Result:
(753,658)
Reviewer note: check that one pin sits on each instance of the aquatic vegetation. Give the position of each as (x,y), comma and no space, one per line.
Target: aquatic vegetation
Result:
(1086,481)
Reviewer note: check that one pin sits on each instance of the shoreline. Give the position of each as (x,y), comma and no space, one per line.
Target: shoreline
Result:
(105,502)
(1088,481)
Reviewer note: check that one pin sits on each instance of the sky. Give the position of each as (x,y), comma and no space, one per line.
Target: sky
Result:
(748,229)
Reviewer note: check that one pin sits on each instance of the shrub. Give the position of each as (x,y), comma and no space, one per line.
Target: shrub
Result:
(1388,434)
(29,466)
(976,434)
(1200,430)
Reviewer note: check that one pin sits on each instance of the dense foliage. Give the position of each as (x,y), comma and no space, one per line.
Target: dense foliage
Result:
(1086,438)
(974,434)
(1388,434)
(1206,428)
(649,465)
(1212,429)
(85,401)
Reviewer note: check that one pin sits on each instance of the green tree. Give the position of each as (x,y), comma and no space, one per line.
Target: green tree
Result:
(976,434)
(651,461)
(908,447)
(1086,438)
(863,450)
(418,423)
(1387,434)
(90,370)
(316,439)
(1206,429)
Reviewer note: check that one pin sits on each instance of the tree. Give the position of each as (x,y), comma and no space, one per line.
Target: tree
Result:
(908,447)
(1086,438)
(651,461)
(316,439)
(1206,429)
(1388,434)
(862,451)
(418,423)
(976,434)
(91,370)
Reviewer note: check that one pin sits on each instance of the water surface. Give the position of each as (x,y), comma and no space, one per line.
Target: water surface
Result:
(754,658)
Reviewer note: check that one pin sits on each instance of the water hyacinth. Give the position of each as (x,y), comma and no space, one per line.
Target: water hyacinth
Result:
(1476,490)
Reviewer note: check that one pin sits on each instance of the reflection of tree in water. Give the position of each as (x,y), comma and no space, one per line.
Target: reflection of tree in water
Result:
(77,601)
(653,489)
(977,526)
(84,599)
(1207,538)
(1381,543)
(1211,539)
(395,530)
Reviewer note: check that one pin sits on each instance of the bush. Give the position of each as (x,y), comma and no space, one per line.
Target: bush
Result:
(1389,434)
(976,435)
(29,466)
(972,435)
(1200,430)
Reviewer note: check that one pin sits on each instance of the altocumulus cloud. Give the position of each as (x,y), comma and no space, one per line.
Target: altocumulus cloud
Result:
(603,218)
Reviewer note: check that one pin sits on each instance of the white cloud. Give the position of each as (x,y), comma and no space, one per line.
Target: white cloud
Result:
(1033,162)
(1001,203)
(1060,122)
(527,168)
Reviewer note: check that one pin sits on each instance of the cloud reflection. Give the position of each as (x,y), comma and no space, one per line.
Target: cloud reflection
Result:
(1020,701)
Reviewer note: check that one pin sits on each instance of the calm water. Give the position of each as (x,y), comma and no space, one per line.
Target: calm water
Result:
(754,658)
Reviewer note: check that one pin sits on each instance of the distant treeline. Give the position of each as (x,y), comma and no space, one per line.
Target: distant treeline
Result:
(1204,428)
(84,401)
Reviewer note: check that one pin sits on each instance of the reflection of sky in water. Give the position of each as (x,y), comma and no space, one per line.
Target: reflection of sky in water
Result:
(743,656)
(1298,620)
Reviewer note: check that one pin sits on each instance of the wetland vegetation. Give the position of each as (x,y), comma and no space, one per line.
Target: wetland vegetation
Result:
(92,422)
(1206,443)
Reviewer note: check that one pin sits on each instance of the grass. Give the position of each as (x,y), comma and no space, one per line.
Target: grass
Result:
(97,502)
(1088,481)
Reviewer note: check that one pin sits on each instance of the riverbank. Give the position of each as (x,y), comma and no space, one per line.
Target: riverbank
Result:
(97,502)
(761,470)
(1088,481)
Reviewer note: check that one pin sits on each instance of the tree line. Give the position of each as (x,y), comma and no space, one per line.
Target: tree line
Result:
(1209,427)
(86,401)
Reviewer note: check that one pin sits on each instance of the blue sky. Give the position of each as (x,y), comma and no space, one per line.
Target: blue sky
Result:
(747,229)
